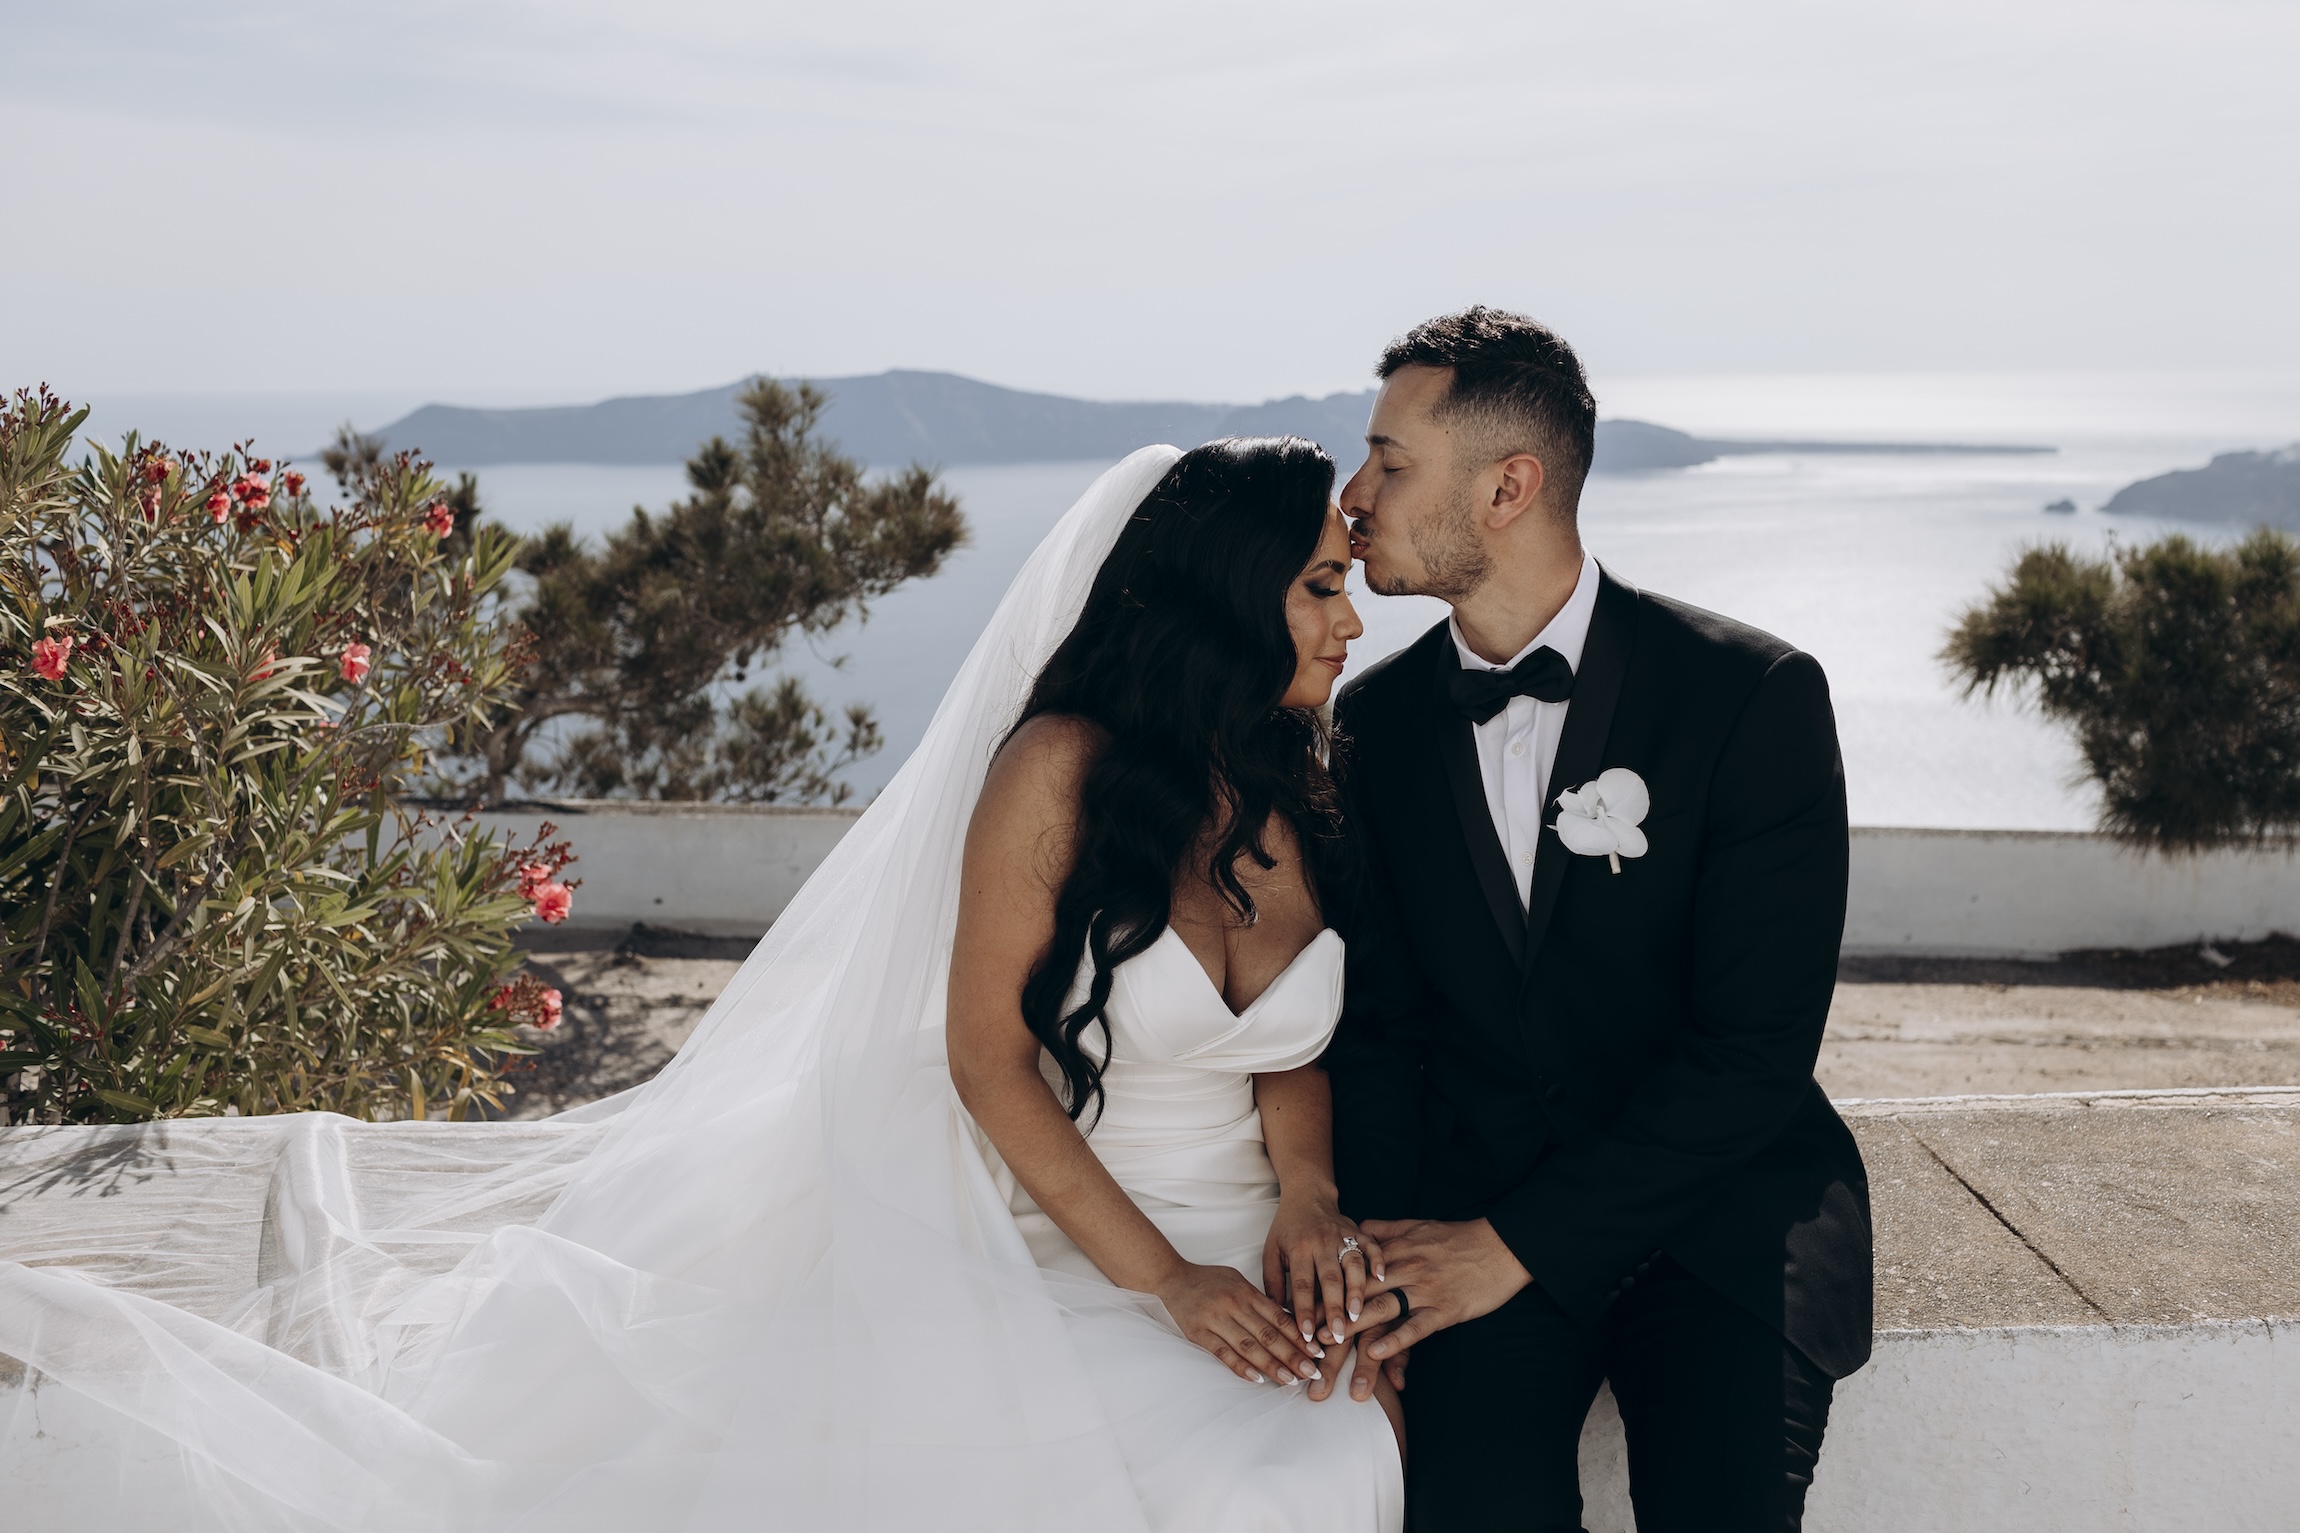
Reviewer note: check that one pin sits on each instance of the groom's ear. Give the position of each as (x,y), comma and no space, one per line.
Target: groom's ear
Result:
(1514,489)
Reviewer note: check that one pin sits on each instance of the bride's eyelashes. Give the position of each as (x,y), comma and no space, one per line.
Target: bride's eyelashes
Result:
(1322,592)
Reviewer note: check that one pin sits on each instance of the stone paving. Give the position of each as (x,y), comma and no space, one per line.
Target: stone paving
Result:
(2101,1021)
(1936,1038)
(629,1005)
(1900,1027)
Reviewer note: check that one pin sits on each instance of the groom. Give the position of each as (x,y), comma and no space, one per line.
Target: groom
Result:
(1573,1080)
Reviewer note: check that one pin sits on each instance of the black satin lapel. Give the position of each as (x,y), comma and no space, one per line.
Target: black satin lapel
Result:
(1581,749)
(1458,746)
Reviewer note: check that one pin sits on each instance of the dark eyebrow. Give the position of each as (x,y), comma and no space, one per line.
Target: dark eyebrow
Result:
(1376,439)
(1336,565)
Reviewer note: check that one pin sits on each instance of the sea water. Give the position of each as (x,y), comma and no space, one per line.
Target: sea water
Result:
(1865,561)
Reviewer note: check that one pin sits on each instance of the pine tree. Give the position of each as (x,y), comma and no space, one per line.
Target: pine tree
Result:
(641,636)
(2176,666)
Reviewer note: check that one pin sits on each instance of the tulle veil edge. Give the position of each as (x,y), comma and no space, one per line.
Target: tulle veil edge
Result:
(775,1287)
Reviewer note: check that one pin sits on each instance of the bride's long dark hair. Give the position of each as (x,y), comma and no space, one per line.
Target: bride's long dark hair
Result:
(1181,657)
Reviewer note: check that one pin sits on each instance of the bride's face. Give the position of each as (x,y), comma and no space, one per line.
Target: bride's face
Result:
(1323,622)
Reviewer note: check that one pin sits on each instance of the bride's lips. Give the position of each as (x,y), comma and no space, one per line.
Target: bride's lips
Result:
(1336,661)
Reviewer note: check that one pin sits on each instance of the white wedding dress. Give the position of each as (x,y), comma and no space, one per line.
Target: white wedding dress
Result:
(1180,1132)
(784,1285)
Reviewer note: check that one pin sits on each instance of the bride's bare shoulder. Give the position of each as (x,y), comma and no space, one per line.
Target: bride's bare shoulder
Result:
(1049,752)
(1035,777)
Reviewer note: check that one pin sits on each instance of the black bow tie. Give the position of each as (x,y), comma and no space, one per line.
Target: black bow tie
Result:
(1482,694)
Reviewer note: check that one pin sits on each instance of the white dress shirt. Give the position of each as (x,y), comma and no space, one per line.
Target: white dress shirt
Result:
(1517,747)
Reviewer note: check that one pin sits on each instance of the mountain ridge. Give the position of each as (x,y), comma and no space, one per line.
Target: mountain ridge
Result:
(945,419)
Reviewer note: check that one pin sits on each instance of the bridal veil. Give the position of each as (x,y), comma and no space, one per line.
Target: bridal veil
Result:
(775,1287)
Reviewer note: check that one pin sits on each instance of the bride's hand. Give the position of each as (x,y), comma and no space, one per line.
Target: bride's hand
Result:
(1316,1256)
(1219,1310)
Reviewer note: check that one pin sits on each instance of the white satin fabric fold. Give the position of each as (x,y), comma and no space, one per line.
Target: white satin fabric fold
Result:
(778,1287)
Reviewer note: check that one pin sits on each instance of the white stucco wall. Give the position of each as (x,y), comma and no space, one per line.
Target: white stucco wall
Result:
(2030,893)
(729,871)
(719,869)
(2080,1429)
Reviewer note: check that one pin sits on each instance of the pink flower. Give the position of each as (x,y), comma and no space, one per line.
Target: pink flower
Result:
(264,666)
(532,876)
(49,655)
(501,999)
(219,506)
(553,900)
(157,470)
(251,492)
(150,501)
(551,1007)
(261,465)
(294,483)
(439,519)
(356,663)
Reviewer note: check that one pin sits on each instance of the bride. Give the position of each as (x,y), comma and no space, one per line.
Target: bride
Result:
(994,1193)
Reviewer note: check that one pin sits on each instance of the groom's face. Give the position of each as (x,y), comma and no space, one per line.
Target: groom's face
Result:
(1413,512)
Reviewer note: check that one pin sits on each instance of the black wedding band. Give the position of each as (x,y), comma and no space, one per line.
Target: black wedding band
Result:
(1404,1309)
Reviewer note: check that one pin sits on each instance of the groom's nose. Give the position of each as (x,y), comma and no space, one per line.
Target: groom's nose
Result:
(1356,499)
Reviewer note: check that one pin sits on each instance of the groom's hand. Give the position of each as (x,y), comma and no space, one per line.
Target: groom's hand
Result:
(1448,1272)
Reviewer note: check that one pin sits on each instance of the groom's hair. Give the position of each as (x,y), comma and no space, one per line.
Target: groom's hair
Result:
(1517,387)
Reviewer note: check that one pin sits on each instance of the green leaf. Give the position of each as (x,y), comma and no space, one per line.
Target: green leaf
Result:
(36,847)
(121,1101)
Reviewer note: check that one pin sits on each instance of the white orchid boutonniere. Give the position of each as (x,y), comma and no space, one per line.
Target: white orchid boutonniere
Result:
(1600,818)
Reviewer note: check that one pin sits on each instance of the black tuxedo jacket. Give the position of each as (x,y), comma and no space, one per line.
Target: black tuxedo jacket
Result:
(1626,1067)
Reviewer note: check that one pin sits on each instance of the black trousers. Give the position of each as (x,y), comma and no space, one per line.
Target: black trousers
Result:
(1724,1418)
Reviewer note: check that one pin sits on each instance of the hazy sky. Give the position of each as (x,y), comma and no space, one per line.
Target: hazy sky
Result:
(490,199)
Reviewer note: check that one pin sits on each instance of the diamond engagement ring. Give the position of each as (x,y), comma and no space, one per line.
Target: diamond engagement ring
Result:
(1349,1244)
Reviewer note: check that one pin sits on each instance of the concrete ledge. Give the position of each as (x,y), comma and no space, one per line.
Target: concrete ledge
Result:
(2088,1304)
(2088,1312)
(2069,1429)
(728,870)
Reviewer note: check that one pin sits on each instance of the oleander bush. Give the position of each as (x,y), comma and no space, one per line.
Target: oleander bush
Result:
(214,696)
(2176,666)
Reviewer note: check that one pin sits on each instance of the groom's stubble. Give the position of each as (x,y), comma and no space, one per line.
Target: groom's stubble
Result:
(1454,559)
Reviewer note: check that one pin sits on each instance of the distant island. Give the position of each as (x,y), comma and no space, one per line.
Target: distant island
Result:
(2257,487)
(943,419)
